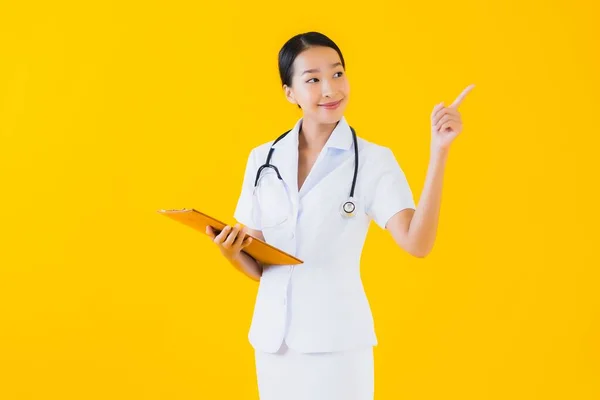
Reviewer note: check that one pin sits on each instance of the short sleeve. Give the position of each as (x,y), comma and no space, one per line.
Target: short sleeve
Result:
(390,191)
(243,211)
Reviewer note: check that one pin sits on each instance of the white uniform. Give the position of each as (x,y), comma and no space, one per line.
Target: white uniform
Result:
(320,306)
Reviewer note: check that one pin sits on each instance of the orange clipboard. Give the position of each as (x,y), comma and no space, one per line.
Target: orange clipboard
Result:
(258,249)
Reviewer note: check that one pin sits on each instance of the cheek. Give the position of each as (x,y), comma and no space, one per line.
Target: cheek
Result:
(310,96)
(345,87)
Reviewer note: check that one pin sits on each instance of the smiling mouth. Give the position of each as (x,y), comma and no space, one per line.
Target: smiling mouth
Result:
(335,103)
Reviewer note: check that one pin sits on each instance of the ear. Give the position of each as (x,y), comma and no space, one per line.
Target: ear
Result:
(289,94)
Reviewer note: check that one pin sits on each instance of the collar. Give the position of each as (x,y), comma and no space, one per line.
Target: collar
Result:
(340,138)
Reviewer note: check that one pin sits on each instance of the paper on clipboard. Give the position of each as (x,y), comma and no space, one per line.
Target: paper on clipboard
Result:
(258,249)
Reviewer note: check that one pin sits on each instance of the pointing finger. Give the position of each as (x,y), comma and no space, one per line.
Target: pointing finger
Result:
(461,96)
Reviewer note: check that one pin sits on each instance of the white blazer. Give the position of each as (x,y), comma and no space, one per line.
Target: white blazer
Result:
(321,306)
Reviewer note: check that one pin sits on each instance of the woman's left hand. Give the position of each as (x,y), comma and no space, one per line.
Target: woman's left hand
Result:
(446,123)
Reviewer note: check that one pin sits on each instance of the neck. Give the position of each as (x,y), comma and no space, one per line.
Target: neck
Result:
(313,135)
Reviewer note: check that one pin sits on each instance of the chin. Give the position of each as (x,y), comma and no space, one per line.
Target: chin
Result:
(330,116)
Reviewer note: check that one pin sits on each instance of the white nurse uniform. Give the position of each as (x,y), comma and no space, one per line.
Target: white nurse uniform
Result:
(312,327)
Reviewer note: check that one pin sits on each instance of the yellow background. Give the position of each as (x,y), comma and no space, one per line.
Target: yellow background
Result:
(111,110)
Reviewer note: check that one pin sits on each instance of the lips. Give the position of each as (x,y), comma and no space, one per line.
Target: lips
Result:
(331,105)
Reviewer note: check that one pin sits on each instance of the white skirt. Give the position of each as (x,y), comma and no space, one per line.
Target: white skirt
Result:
(289,375)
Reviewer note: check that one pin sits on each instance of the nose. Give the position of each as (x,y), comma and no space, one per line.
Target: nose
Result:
(327,88)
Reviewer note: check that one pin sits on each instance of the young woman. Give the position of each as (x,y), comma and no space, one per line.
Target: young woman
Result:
(312,193)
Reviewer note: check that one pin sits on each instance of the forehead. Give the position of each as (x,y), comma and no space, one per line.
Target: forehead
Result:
(316,57)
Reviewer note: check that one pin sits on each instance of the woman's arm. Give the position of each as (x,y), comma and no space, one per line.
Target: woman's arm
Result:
(415,230)
(248,265)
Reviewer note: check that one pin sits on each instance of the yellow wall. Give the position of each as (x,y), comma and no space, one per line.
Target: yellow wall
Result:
(111,111)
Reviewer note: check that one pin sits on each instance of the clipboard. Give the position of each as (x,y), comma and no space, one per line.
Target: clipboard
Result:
(258,249)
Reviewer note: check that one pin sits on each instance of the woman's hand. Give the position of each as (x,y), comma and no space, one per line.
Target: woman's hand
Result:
(231,241)
(446,123)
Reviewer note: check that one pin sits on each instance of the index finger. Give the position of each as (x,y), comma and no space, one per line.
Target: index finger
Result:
(461,96)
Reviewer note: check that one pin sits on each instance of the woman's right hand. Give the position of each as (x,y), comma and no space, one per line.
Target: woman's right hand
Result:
(231,240)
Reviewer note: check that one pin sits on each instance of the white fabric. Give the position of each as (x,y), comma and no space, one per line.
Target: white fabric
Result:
(324,298)
(272,203)
(289,375)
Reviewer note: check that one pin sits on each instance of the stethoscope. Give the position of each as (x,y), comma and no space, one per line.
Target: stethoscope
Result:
(349,206)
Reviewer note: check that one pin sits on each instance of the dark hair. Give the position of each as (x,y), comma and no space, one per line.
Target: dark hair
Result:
(296,45)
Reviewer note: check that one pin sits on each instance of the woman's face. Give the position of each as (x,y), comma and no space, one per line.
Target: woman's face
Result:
(319,79)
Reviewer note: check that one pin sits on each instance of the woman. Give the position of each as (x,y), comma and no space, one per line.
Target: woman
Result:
(312,328)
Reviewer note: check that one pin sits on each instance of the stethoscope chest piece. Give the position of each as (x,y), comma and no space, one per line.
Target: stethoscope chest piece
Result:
(348,208)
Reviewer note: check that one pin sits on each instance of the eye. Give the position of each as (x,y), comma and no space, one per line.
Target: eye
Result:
(314,80)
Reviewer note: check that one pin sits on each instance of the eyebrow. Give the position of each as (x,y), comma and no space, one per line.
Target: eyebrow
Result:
(310,71)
